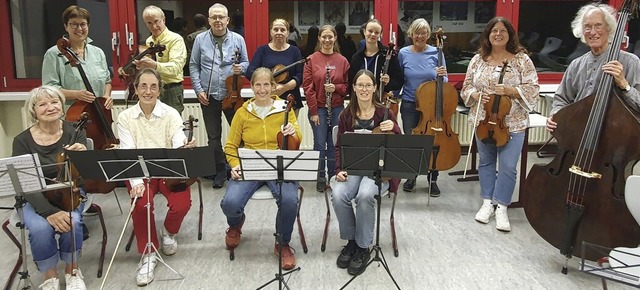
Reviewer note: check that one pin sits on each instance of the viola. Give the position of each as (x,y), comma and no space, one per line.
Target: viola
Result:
(64,199)
(288,142)
(100,119)
(437,102)
(281,72)
(233,100)
(128,71)
(493,129)
(579,195)
(388,97)
(377,130)
(179,185)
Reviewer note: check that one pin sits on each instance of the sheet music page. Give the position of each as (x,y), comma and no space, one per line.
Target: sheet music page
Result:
(29,174)
(255,168)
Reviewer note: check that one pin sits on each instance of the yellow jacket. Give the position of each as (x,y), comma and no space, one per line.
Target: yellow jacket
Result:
(257,133)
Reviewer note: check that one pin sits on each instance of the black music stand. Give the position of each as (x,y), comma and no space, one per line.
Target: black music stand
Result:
(384,155)
(125,164)
(281,166)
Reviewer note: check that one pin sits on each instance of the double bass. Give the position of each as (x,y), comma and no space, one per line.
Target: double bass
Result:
(437,101)
(100,119)
(579,196)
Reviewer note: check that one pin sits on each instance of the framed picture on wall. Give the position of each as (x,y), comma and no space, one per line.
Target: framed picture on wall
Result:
(333,13)
(307,15)
(353,14)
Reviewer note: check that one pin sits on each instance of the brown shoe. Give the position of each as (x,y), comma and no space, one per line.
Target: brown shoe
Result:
(288,258)
(232,239)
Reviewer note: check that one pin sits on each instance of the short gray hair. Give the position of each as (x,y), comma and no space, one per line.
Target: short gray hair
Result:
(38,93)
(219,6)
(577,25)
(153,10)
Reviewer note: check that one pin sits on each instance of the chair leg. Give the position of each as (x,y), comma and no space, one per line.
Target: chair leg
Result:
(392,221)
(14,272)
(300,230)
(128,246)
(323,246)
(201,210)
(104,238)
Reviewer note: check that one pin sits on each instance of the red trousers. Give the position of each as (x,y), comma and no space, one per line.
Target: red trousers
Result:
(178,203)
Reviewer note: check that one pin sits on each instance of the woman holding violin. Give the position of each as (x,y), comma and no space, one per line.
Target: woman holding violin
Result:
(419,63)
(326,84)
(48,137)
(153,124)
(278,55)
(257,125)
(58,73)
(499,47)
(364,112)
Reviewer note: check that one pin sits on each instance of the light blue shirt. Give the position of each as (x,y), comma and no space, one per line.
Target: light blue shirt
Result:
(206,58)
(418,67)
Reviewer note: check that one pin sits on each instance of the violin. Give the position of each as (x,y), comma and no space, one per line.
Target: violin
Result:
(128,71)
(179,185)
(493,130)
(288,142)
(437,102)
(388,97)
(281,72)
(100,119)
(63,198)
(233,100)
(377,130)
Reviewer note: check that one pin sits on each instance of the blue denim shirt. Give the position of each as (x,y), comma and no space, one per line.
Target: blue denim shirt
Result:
(202,62)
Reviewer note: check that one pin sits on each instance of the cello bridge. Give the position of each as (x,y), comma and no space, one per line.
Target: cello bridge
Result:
(436,129)
(492,123)
(577,170)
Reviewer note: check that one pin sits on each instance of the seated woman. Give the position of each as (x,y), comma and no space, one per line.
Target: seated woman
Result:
(256,125)
(153,124)
(48,137)
(362,113)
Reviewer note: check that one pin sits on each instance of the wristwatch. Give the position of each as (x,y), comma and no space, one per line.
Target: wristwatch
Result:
(627,88)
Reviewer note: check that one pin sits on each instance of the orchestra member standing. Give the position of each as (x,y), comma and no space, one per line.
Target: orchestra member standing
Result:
(362,113)
(279,52)
(171,64)
(212,61)
(256,125)
(325,74)
(419,63)
(498,43)
(153,124)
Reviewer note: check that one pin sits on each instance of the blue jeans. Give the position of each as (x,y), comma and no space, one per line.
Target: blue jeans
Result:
(239,192)
(410,119)
(45,248)
(359,225)
(499,187)
(323,141)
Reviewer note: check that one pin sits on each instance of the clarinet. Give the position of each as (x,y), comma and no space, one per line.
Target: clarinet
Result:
(327,80)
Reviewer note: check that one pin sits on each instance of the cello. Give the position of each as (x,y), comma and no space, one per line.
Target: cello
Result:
(100,119)
(176,184)
(436,112)
(234,82)
(493,130)
(579,195)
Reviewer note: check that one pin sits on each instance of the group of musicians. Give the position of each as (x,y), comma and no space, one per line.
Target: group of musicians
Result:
(327,79)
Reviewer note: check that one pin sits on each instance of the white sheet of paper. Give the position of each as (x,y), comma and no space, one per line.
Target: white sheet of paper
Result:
(260,169)
(29,174)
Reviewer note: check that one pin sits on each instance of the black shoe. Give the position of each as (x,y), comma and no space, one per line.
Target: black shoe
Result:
(435,190)
(218,181)
(85,232)
(409,185)
(321,184)
(359,261)
(346,254)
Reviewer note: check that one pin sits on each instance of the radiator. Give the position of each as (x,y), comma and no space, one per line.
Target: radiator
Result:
(200,132)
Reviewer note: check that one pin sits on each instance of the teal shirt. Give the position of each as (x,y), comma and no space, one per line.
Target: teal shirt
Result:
(57,72)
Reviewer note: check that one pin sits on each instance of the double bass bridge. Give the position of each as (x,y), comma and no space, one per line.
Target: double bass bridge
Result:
(577,170)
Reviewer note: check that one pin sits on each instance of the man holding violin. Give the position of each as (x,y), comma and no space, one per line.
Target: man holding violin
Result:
(213,59)
(170,65)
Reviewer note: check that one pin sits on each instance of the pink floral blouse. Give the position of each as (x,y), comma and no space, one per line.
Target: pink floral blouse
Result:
(521,74)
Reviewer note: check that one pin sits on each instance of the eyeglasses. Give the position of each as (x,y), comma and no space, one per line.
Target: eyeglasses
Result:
(597,27)
(364,86)
(218,17)
(75,25)
(152,88)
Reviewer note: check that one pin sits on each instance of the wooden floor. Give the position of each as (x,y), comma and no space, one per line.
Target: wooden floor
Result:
(441,246)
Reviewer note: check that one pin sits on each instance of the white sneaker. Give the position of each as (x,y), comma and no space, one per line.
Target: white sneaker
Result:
(502,219)
(169,243)
(50,284)
(485,212)
(75,281)
(145,269)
